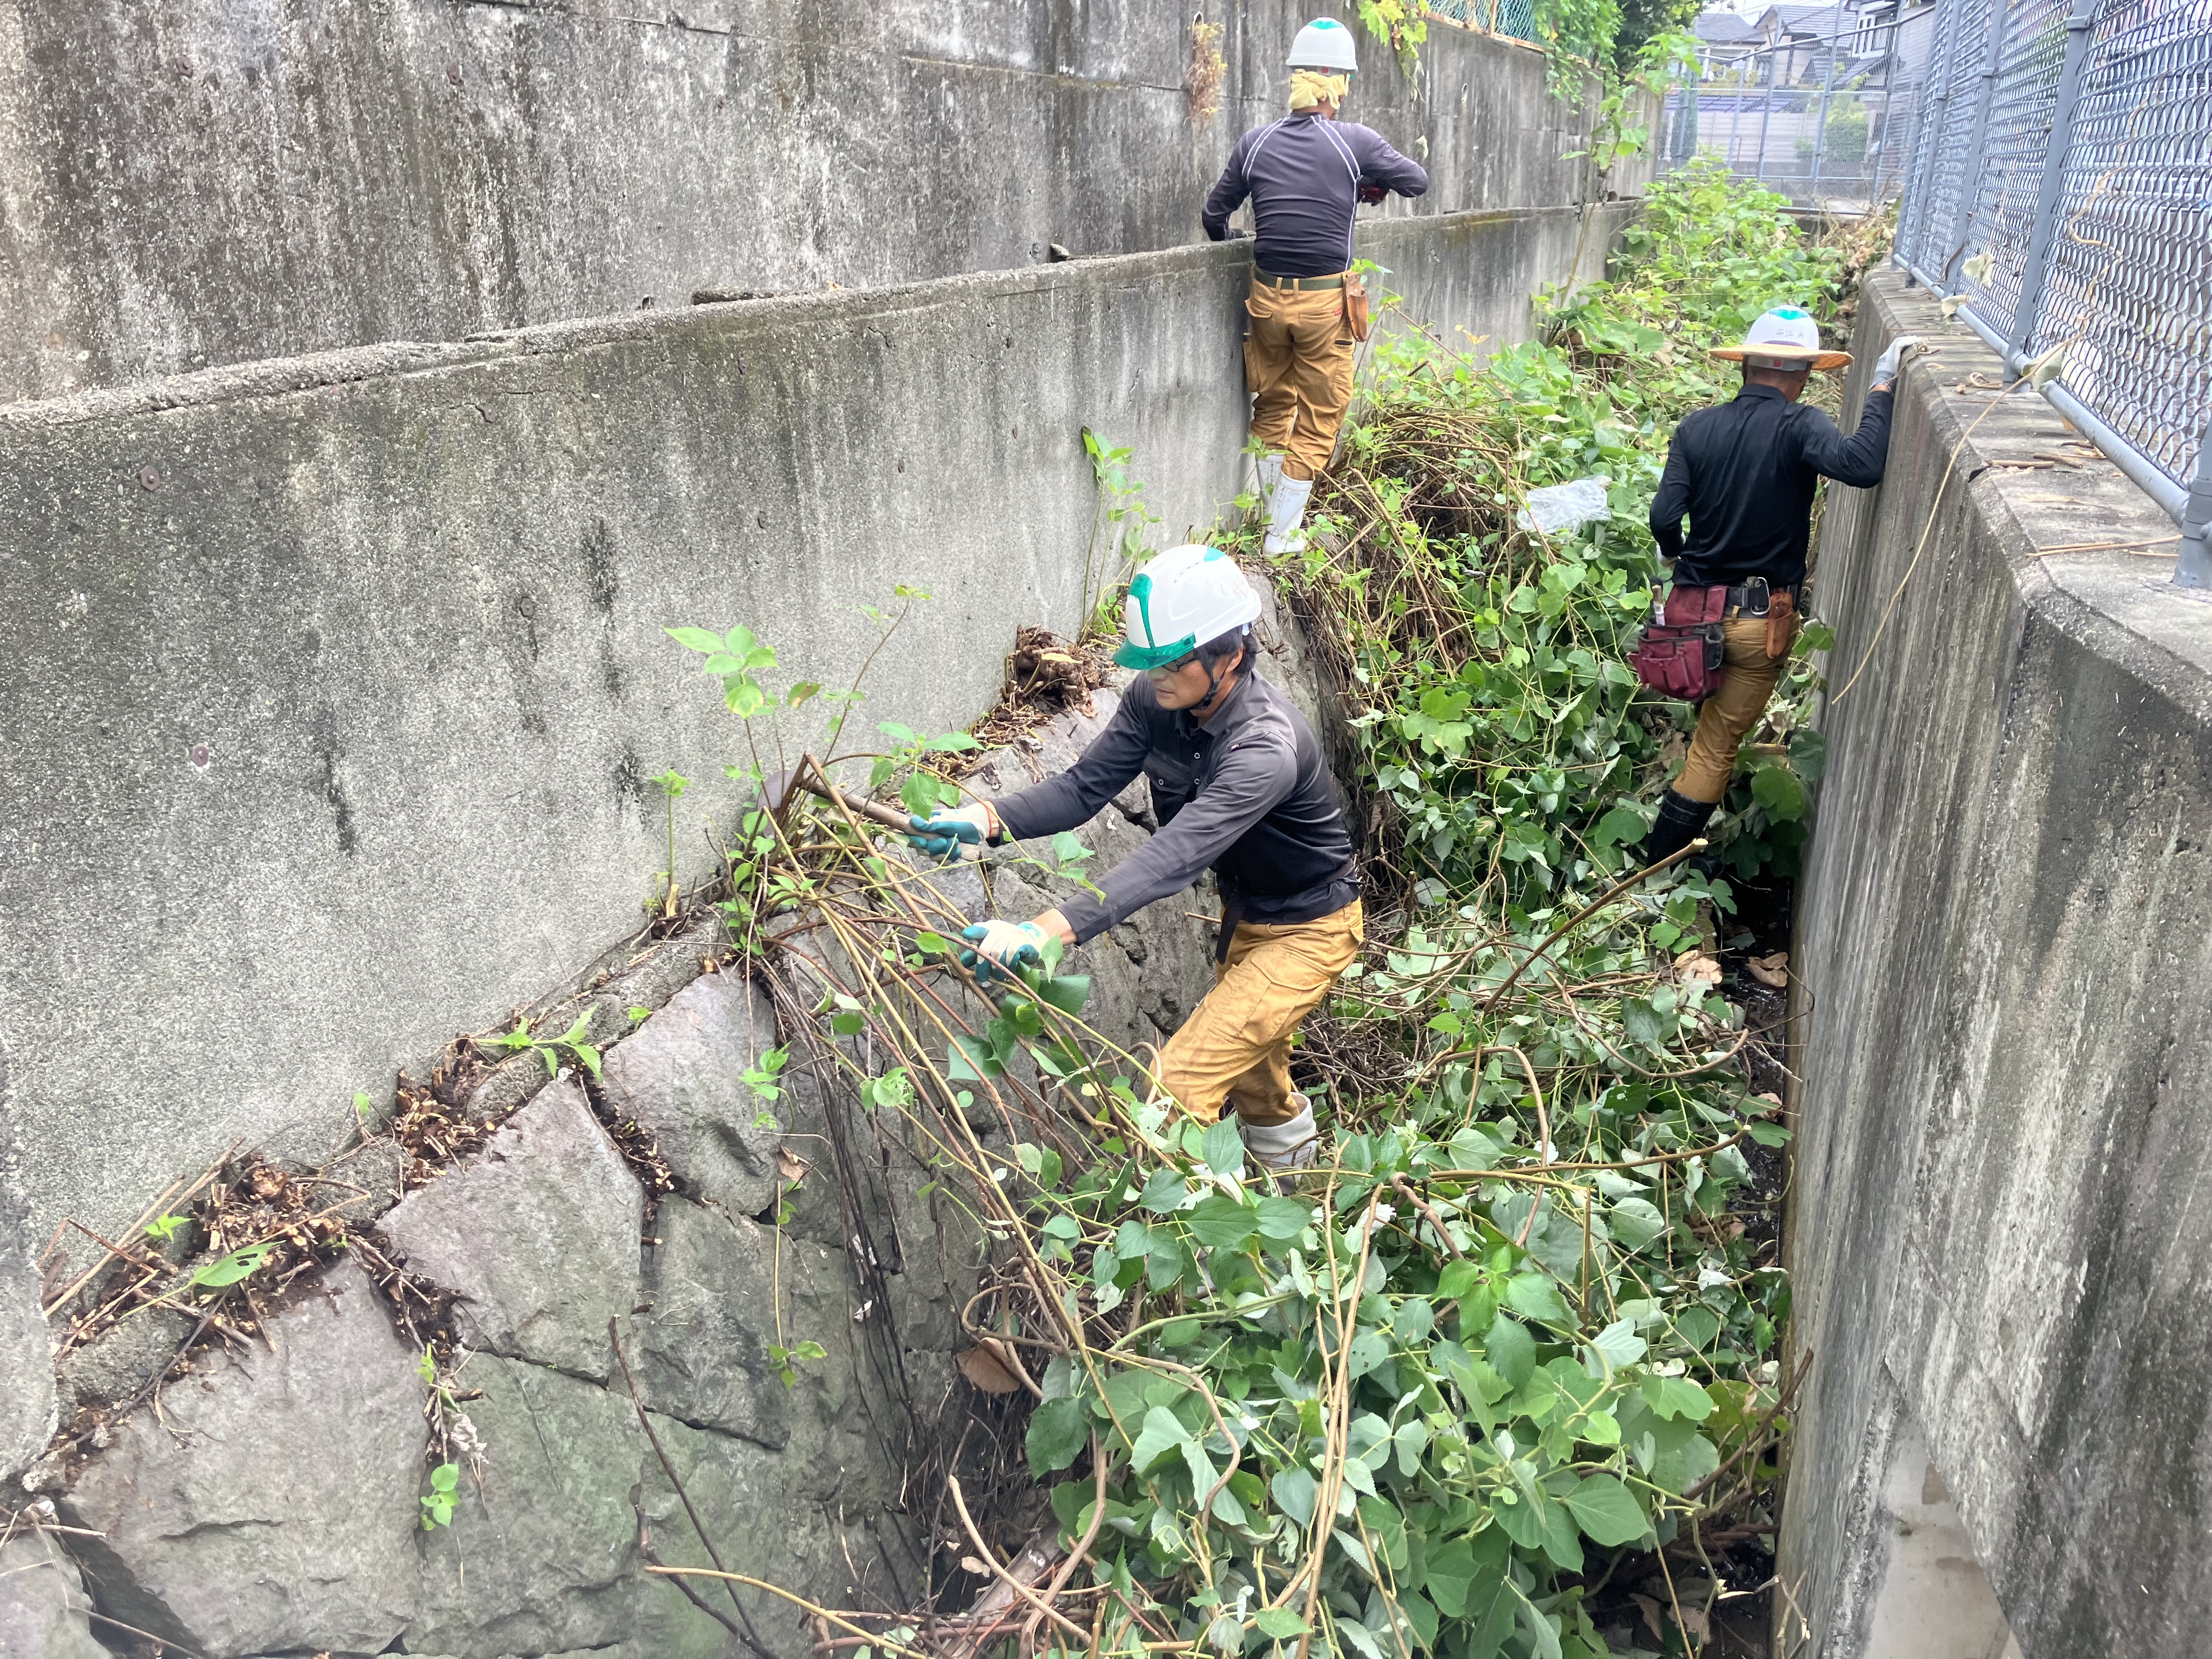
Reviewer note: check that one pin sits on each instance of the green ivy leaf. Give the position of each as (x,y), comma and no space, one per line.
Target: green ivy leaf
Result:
(1223,1223)
(1607,1511)
(1534,1296)
(1222,1147)
(1058,1431)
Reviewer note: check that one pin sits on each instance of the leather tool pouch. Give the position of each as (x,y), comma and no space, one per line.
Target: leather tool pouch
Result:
(1359,316)
(1781,622)
(1681,654)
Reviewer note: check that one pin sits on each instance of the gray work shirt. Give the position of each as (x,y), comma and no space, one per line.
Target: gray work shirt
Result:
(1247,794)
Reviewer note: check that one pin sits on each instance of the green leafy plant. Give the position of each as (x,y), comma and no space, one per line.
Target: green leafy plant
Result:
(445,1491)
(1400,25)
(1119,518)
(671,784)
(786,1360)
(573,1041)
(163,1228)
(239,1264)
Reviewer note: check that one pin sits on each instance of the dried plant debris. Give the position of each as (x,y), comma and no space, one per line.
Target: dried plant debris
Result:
(1046,676)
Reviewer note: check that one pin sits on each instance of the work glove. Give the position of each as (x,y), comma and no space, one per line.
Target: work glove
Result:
(958,834)
(1886,365)
(1005,945)
(1370,192)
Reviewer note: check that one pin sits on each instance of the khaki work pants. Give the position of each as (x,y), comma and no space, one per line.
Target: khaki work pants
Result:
(1725,718)
(1298,366)
(1235,1046)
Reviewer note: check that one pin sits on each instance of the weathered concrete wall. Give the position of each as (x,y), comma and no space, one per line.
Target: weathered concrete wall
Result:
(337,683)
(200,182)
(2005,934)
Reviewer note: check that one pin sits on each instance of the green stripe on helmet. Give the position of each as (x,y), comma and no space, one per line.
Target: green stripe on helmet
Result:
(1130,654)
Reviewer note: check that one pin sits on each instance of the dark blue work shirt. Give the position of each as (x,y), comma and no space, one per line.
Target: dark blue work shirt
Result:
(1303,173)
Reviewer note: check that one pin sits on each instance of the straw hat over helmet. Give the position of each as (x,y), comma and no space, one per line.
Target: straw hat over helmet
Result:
(1784,337)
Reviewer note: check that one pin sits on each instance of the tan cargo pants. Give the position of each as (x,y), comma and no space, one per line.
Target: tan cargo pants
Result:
(1729,714)
(1235,1046)
(1298,366)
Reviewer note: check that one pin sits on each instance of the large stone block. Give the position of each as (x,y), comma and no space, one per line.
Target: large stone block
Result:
(542,1555)
(538,1233)
(833,1533)
(271,1507)
(42,1602)
(702,1353)
(681,1075)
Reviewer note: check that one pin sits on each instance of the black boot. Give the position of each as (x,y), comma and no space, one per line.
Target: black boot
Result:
(1681,821)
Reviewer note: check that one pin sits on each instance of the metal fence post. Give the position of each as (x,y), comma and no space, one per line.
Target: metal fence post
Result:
(2052,190)
(1827,84)
(2194,567)
(1927,135)
(1766,109)
(1970,178)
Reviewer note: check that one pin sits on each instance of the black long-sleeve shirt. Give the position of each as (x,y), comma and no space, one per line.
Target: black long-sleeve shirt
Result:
(1248,793)
(1745,472)
(1303,173)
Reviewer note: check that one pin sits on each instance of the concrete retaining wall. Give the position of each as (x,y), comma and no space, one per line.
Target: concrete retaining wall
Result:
(201,182)
(339,681)
(2005,936)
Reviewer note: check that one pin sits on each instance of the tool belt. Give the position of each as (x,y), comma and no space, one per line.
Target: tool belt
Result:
(1359,311)
(1682,650)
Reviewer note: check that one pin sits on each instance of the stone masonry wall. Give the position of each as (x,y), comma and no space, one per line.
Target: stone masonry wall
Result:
(272,1506)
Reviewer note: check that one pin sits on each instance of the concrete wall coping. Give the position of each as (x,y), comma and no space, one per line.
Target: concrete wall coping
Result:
(2117,603)
(276,376)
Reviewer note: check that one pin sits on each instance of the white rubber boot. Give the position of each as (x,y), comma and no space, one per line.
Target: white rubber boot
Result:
(1284,535)
(1271,474)
(1282,1148)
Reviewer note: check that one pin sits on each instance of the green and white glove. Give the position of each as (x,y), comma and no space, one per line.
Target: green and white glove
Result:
(1005,945)
(957,834)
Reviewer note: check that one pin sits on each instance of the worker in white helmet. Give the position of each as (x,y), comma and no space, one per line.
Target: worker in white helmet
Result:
(1241,786)
(1306,175)
(1743,473)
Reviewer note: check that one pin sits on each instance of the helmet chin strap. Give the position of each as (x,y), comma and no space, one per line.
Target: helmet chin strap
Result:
(1204,706)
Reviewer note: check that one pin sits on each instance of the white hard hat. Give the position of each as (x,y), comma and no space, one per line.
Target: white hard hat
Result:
(1784,337)
(1183,599)
(1324,43)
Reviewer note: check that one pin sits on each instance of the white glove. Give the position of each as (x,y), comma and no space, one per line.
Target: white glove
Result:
(1886,365)
(960,833)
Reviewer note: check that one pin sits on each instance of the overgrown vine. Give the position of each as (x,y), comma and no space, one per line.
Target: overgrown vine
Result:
(1510,1361)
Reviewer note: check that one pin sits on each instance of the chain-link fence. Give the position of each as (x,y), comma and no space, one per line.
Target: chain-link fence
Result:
(1515,18)
(1817,102)
(2060,186)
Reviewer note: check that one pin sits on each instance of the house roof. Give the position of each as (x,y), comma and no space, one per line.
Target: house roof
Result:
(1722,28)
(1814,22)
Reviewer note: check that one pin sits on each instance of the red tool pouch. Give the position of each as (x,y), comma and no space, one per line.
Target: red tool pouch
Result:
(1680,655)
